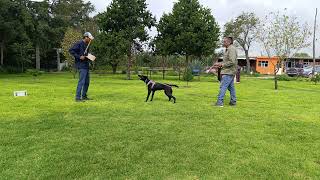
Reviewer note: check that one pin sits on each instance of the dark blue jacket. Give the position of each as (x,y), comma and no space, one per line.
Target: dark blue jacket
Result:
(77,50)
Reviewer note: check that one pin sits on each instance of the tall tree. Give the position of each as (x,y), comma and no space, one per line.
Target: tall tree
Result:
(7,25)
(40,32)
(22,52)
(282,36)
(127,20)
(190,30)
(72,12)
(109,49)
(243,30)
(71,37)
(14,20)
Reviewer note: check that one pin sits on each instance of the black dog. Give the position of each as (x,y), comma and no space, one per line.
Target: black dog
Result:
(153,87)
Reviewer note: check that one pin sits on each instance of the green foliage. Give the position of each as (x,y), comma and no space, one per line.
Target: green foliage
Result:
(34,72)
(243,30)
(126,21)
(315,78)
(187,75)
(109,49)
(303,55)
(197,64)
(12,69)
(74,13)
(172,73)
(283,35)
(70,38)
(22,53)
(2,70)
(40,24)
(285,77)
(189,30)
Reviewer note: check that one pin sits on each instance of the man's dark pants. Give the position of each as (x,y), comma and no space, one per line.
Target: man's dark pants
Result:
(83,84)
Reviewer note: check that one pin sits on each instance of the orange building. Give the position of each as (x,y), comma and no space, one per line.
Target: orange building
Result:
(265,65)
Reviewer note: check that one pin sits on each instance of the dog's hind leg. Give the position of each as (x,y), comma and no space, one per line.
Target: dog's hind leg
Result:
(148,95)
(169,94)
(174,99)
(152,95)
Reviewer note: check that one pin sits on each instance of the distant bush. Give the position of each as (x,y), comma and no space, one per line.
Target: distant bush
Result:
(66,69)
(2,70)
(172,73)
(187,75)
(254,74)
(34,72)
(315,78)
(285,77)
(12,69)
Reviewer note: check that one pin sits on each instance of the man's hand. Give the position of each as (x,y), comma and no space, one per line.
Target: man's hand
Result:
(218,65)
(82,57)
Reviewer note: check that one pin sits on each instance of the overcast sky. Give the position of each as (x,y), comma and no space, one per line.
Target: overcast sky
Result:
(225,10)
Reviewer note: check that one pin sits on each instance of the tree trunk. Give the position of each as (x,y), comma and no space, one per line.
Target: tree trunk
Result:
(37,57)
(114,68)
(179,71)
(22,60)
(129,66)
(248,61)
(275,78)
(163,66)
(187,61)
(58,60)
(2,55)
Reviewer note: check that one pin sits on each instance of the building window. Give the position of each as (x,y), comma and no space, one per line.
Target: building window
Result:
(263,64)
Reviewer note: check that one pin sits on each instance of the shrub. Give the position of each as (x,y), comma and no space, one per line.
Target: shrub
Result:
(187,75)
(12,70)
(66,69)
(285,77)
(172,73)
(316,78)
(34,72)
(2,70)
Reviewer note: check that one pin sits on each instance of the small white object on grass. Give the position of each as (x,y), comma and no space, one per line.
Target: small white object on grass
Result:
(19,93)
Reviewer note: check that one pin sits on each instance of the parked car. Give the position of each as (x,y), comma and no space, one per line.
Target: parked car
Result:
(295,72)
(307,71)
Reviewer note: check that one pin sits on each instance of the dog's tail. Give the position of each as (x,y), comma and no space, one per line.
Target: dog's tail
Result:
(173,85)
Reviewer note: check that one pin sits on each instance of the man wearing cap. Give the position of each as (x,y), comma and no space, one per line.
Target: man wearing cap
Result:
(228,67)
(80,50)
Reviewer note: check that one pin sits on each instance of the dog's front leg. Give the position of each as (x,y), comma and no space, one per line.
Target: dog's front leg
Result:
(152,95)
(149,91)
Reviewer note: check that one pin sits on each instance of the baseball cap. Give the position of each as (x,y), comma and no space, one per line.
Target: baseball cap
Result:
(89,35)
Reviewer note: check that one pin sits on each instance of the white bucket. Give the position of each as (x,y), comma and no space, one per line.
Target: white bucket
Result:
(19,93)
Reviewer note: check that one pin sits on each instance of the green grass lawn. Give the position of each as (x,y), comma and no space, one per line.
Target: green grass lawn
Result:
(269,135)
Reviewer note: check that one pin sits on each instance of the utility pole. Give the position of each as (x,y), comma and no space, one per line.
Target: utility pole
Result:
(314,42)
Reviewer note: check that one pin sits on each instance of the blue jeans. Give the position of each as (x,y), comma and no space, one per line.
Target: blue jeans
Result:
(227,82)
(83,84)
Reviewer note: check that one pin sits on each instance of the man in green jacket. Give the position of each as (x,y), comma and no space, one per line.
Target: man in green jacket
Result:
(228,67)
